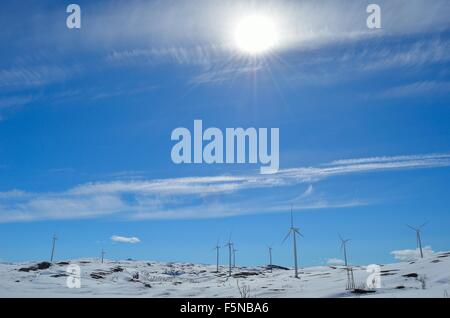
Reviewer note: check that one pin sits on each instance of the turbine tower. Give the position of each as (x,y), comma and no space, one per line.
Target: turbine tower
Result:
(230,252)
(53,247)
(294,231)
(103,254)
(344,248)
(350,277)
(418,238)
(234,257)
(270,257)
(217,248)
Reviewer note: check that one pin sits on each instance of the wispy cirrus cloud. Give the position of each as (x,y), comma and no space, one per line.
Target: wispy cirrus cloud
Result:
(417,89)
(196,55)
(29,76)
(285,177)
(201,197)
(185,23)
(14,101)
(413,54)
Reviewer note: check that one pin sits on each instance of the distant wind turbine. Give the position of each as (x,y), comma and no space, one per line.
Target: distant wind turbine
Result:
(53,247)
(350,277)
(103,254)
(270,257)
(217,248)
(418,238)
(230,252)
(294,231)
(344,248)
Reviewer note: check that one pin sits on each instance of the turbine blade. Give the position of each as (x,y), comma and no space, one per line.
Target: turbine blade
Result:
(423,225)
(412,228)
(286,237)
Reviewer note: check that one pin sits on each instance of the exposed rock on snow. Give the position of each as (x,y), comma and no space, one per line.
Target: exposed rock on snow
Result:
(39,266)
(421,278)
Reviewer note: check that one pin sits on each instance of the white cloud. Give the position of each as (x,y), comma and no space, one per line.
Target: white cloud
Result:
(22,76)
(308,192)
(200,197)
(14,101)
(417,88)
(410,255)
(285,177)
(407,54)
(202,22)
(124,239)
(191,31)
(202,55)
(335,262)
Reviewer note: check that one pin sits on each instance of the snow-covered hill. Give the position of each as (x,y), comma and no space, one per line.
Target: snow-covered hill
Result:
(428,277)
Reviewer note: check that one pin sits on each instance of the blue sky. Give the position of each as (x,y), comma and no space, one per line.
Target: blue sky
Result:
(86,117)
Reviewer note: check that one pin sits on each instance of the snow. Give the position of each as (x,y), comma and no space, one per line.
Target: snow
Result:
(428,277)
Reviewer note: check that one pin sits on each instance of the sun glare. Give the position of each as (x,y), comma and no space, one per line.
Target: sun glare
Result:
(256,34)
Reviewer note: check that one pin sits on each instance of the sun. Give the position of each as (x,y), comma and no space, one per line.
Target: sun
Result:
(256,34)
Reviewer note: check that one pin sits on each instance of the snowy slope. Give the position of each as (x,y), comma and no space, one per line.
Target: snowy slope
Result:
(428,277)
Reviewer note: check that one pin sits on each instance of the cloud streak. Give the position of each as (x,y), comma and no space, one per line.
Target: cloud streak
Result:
(199,197)
(418,88)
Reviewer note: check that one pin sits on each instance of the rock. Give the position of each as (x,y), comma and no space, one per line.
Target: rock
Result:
(97,276)
(363,291)
(411,275)
(59,275)
(245,274)
(436,261)
(117,269)
(276,267)
(39,266)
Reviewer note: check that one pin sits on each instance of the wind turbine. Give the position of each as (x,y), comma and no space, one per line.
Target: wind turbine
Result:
(53,247)
(270,257)
(103,254)
(344,248)
(230,251)
(294,231)
(217,248)
(418,238)
(350,277)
